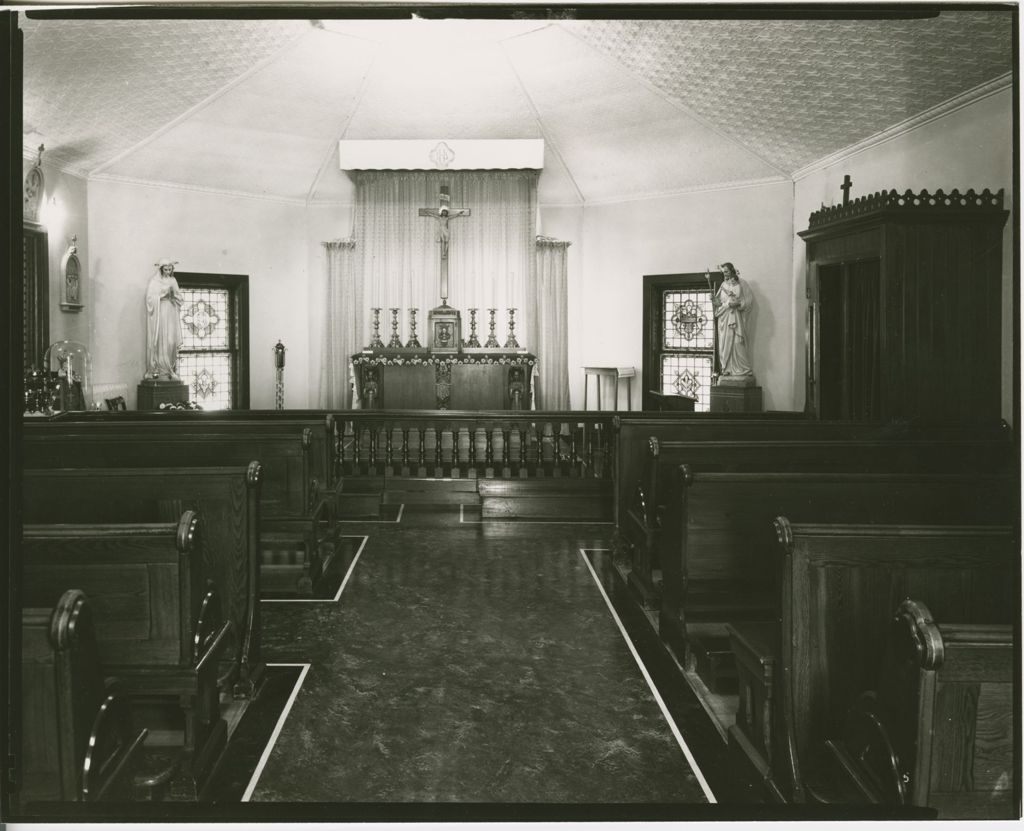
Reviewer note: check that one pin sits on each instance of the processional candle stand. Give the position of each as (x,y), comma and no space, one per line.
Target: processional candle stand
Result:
(511,343)
(279,351)
(376,342)
(414,342)
(474,341)
(395,342)
(492,341)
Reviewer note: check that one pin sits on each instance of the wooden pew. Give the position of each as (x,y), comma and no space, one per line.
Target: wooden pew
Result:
(158,621)
(938,730)
(78,743)
(295,520)
(722,582)
(723,569)
(839,585)
(633,432)
(229,500)
(189,423)
(647,538)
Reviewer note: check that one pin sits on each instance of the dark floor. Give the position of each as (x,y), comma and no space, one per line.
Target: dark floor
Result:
(470,663)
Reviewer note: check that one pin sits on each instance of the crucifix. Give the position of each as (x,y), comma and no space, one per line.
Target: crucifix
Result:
(443,213)
(845,188)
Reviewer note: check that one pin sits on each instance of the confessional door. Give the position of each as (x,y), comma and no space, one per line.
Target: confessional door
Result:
(847,340)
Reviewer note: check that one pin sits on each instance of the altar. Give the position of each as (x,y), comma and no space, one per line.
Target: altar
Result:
(481,380)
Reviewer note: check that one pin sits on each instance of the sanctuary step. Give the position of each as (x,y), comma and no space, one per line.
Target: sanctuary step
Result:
(567,499)
(408,491)
(359,497)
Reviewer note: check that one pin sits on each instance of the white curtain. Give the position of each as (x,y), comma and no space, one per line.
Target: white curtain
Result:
(552,325)
(343,313)
(490,252)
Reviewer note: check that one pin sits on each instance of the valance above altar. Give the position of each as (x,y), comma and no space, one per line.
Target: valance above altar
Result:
(421,380)
(441,154)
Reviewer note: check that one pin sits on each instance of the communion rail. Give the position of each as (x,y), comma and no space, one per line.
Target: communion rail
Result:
(500,444)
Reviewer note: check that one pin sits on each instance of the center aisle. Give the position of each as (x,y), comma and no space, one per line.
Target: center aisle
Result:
(467,663)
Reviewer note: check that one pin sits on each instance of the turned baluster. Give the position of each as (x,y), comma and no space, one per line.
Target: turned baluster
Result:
(506,438)
(388,447)
(405,447)
(489,452)
(437,449)
(423,445)
(357,440)
(590,452)
(523,437)
(373,446)
(573,461)
(472,446)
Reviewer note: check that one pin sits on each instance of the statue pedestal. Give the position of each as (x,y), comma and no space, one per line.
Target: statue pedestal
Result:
(736,394)
(153,392)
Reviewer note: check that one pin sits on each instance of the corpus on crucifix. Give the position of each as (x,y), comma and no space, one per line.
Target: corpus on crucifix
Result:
(443,213)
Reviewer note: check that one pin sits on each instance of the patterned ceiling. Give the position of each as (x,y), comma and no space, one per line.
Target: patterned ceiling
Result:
(797,90)
(628,108)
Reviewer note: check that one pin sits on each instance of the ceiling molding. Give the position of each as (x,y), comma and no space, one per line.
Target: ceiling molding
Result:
(957,102)
(666,194)
(53,160)
(170,125)
(234,194)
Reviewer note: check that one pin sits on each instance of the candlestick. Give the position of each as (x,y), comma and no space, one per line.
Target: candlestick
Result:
(511,343)
(414,342)
(474,341)
(492,341)
(395,342)
(375,341)
(279,351)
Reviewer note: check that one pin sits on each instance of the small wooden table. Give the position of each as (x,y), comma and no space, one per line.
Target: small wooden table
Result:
(613,373)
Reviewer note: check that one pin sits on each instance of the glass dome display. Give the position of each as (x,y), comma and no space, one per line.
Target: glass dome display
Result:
(70,375)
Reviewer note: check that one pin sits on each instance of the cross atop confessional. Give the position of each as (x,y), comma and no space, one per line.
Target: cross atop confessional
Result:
(443,213)
(845,188)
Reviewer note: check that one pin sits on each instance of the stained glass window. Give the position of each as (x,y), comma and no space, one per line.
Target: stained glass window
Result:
(688,320)
(687,375)
(688,344)
(206,359)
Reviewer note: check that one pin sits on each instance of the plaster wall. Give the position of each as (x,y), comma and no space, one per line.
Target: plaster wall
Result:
(132,226)
(622,242)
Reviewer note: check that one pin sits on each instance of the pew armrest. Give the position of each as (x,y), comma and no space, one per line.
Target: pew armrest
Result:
(113,754)
(215,647)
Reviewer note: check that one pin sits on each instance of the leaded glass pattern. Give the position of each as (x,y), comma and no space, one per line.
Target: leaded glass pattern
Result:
(205,318)
(205,358)
(688,320)
(208,375)
(688,374)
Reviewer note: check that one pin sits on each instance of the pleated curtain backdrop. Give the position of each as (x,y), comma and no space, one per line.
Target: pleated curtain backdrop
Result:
(552,315)
(490,252)
(343,312)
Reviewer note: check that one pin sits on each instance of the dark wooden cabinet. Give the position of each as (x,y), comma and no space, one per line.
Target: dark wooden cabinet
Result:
(903,307)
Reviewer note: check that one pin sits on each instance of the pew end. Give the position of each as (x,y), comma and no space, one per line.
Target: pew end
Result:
(79,741)
(938,731)
(160,627)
